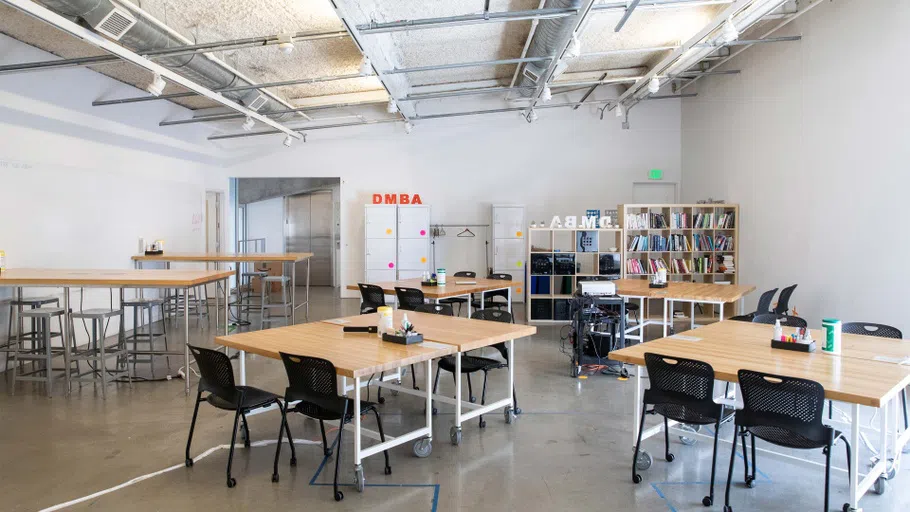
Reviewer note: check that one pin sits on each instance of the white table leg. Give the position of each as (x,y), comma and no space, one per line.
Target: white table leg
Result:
(186,338)
(721,311)
(67,333)
(227,298)
(512,374)
(854,456)
(691,315)
(481,301)
(242,358)
(357,459)
(666,305)
(293,293)
(429,387)
(636,401)
(457,389)
(510,299)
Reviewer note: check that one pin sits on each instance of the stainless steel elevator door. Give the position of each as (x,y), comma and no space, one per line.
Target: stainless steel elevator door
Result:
(309,229)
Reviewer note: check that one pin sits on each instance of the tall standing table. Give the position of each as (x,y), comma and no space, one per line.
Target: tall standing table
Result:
(115,278)
(451,288)
(289,258)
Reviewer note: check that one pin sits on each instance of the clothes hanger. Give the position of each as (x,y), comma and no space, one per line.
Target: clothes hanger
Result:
(467,233)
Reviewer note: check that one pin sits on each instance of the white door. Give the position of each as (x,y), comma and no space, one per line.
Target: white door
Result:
(380,254)
(508,222)
(381,221)
(413,254)
(414,222)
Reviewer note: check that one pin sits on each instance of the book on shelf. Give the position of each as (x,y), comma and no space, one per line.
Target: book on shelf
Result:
(704,221)
(658,221)
(723,243)
(679,221)
(726,220)
(703,242)
(638,220)
(638,243)
(679,243)
(656,264)
(634,267)
(680,266)
(702,265)
(725,264)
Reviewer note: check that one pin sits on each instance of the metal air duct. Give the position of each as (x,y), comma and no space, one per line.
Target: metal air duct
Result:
(550,33)
(143,35)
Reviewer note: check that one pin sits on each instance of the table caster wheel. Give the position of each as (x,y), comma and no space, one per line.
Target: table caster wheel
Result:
(381,400)
(189,463)
(670,457)
(879,486)
(644,461)
(750,482)
(624,373)
(507,414)
(455,435)
(435,411)
(688,441)
(517,411)
(293,462)
(483,424)
(275,478)
(845,509)
(359,480)
(636,479)
(388,470)
(231,483)
(472,399)
(339,495)
(707,501)
(423,448)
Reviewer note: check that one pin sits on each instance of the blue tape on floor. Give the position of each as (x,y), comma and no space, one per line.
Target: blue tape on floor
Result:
(661,494)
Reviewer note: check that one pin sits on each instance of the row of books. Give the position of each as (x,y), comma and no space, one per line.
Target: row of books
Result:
(645,243)
(726,264)
(679,243)
(645,266)
(647,220)
(702,265)
(638,220)
(679,266)
(704,221)
(726,221)
(658,221)
(703,242)
(723,243)
(679,220)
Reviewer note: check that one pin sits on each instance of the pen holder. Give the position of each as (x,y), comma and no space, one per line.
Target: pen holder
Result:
(794,346)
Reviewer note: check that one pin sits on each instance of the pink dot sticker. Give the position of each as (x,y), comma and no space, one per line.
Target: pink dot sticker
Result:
(423,232)
(391,265)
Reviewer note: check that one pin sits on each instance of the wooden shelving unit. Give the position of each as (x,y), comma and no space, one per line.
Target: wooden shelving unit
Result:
(697,230)
(558,258)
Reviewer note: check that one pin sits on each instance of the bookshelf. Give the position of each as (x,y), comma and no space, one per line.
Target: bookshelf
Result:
(695,242)
(558,258)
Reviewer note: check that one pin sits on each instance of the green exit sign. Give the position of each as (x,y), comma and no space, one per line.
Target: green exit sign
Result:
(655,174)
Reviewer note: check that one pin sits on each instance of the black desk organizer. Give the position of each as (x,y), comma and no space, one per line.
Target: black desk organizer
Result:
(795,347)
(429,283)
(652,285)
(402,340)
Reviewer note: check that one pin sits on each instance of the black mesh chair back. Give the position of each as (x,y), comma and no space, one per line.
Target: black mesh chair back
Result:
(217,373)
(783,301)
(764,302)
(870,329)
(436,309)
(465,273)
(498,293)
(783,410)
(681,389)
(495,315)
(310,376)
(409,298)
(373,297)
(785,321)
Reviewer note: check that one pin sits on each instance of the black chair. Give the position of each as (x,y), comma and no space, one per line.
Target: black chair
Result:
(681,390)
(372,297)
(312,384)
(218,380)
(459,300)
(764,307)
(409,298)
(488,297)
(785,321)
(882,331)
(783,411)
(472,364)
(783,301)
(436,309)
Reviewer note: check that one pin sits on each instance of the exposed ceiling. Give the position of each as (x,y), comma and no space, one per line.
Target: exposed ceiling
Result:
(604,52)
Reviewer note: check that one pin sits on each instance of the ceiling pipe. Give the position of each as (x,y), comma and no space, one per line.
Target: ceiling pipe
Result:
(551,39)
(307,129)
(457,65)
(297,81)
(228,117)
(90,37)
(625,16)
(158,53)
(524,49)
(459,92)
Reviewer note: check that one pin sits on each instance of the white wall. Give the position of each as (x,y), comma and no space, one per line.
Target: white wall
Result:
(265,219)
(811,141)
(79,184)
(566,162)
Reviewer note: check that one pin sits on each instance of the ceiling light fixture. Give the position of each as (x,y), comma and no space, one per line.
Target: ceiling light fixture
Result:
(248,124)
(546,95)
(366,67)
(392,107)
(157,86)
(532,116)
(654,85)
(619,111)
(286,43)
(408,127)
(574,48)
(729,33)
(288,141)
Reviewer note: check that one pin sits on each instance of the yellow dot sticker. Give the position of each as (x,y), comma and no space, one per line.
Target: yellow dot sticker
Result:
(388,231)
(423,260)
(518,264)
(518,234)
(517,290)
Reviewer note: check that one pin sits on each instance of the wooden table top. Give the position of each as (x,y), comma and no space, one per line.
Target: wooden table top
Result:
(117,278)
(708,292)
(464,333)
(451,289)
(852,377)
(224,257)
(353,354)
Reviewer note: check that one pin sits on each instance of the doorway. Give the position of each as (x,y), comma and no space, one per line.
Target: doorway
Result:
(213,221)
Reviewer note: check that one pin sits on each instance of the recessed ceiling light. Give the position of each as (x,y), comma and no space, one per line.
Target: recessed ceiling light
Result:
(157,86)
(729,33)
(408,127)
(574,48)
(286,43)
(366,67)
(654,85)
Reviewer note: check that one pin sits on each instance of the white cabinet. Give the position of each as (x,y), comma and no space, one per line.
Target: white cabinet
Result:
(414,222)
(509,246)
(396,242)
(381,254)
(413,254)
(413,241)
(381,221)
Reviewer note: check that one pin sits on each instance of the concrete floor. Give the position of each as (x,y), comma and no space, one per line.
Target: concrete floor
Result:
(569,450)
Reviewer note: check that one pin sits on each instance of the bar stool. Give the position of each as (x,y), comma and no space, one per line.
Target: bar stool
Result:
(14,306)
(141,306)
(42,352)
(96,352)
(267,304)
(246,281)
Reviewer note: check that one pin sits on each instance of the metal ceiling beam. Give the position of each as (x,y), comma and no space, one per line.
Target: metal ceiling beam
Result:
(90,37)
(628,51)
(304,130)
(458,65)
(625,16)
(250,42)
(227,117)
(750,42)
(691,74)
(298,81)
(461,92)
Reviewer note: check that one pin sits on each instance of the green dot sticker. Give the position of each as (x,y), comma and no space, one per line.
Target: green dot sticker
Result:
(518,264)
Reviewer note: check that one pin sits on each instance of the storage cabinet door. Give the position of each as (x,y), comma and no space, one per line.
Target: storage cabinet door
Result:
(409,274)
(508,222)
(413,254)
(380,276)
(509,255)
(380,255)
(381,221)
(414,222)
